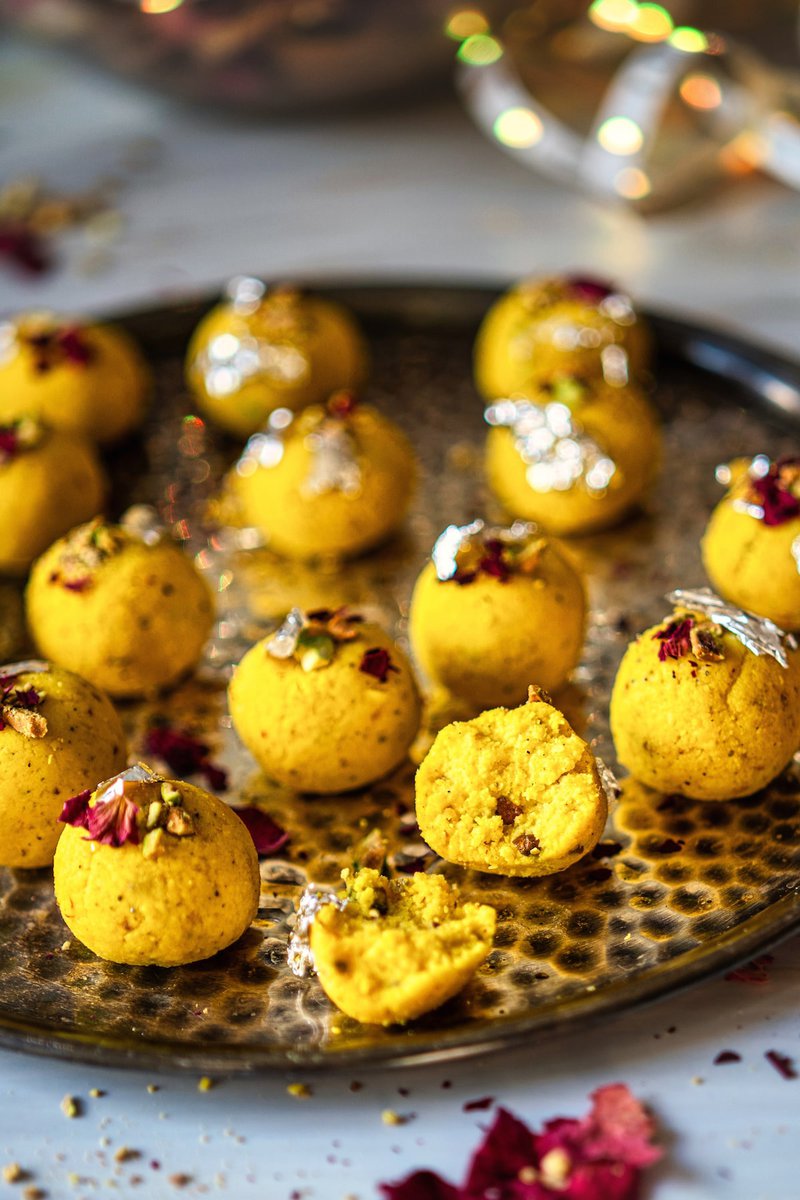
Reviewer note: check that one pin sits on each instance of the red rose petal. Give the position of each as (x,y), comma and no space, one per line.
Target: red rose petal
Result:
(675,638)
(422,1185)
(756,971)
(727,1056)
(23,249)
(376,662)
(75,809)
(777,501)
(782,1063)
(185,755)
(586,288)
(478,1105)
(268,837)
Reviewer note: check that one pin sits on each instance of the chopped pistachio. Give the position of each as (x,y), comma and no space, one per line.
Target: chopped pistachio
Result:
(153,843)
(169,793)
(180,823)
(13,1173)
(205,1084)
(390,1117)
(154,812)
(316,651)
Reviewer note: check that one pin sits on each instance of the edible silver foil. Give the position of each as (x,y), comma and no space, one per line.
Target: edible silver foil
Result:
(758,634)
(334,463)
(454,538)
(144,523)
(28,666)
(283,642)
(608,782)
(265,449)
(115,786)
(558,453)
(312,899)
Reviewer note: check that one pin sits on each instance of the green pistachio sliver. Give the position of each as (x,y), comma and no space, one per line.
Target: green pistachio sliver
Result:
(180,823)
(153,843)
(170,794)
(315,651)
(154,812)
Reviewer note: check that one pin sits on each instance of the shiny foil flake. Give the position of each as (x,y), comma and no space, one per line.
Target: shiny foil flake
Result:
(314,898)
(456,538)
(29,666)
(608,782)
(758,634)
(796,552)
(558,453)
(143,522)
(111,788)
(265,449)
(283,642)
(334,461)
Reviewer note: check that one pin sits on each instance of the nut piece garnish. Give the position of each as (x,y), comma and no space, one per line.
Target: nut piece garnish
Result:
(527,843)
(14,1173)
(704,643)
(205,1084)
(71,1107)
(507,810)
(300,1091)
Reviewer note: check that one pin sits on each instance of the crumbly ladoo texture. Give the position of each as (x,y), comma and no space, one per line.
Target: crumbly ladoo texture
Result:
(755,566)
(83,379)
(134,624)
(488,640)
(710,730)
(323,340)
(623,424)
(301,522)
(543,327)
(83,742)
(512,792)
(181,906)
(327,730)
(400,947)
(45,491)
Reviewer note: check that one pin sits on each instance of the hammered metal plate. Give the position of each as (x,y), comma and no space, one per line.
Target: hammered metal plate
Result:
(678,890)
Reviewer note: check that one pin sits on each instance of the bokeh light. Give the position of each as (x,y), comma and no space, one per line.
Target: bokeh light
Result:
(464,23)
(480,50)
(651,23)
(159,6)
(701,91)
(518,128)
(620,135)
(613,15)
(632,183)
(691,41)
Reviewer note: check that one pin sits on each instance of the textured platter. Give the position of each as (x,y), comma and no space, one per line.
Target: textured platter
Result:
(676,891)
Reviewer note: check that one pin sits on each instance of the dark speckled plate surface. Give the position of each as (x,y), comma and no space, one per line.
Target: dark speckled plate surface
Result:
(676,891)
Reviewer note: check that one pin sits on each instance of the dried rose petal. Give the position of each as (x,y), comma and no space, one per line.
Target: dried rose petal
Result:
(74,585)
(597,1158)
(675,638)
(727,1056)
(782,1063)
(422,1185)
(479,1105)
(113,822)
(9,443)
(342,404)
(23,248)
(184,755)
(376,662)
(587,289)
(75,809)
(268,837)
(74,346)
(771,494)
(494,562)
(756,971)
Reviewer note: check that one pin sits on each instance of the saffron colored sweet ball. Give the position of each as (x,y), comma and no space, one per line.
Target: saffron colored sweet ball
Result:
(333,481)
(74,376)
(121,605)
(59,735)
(494,611)
(150,871)
(559,325)
(511,792)
(326,704)
(707,702)
(573,454)
(751,546)
(49,481)
(393,949)
(264,349)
